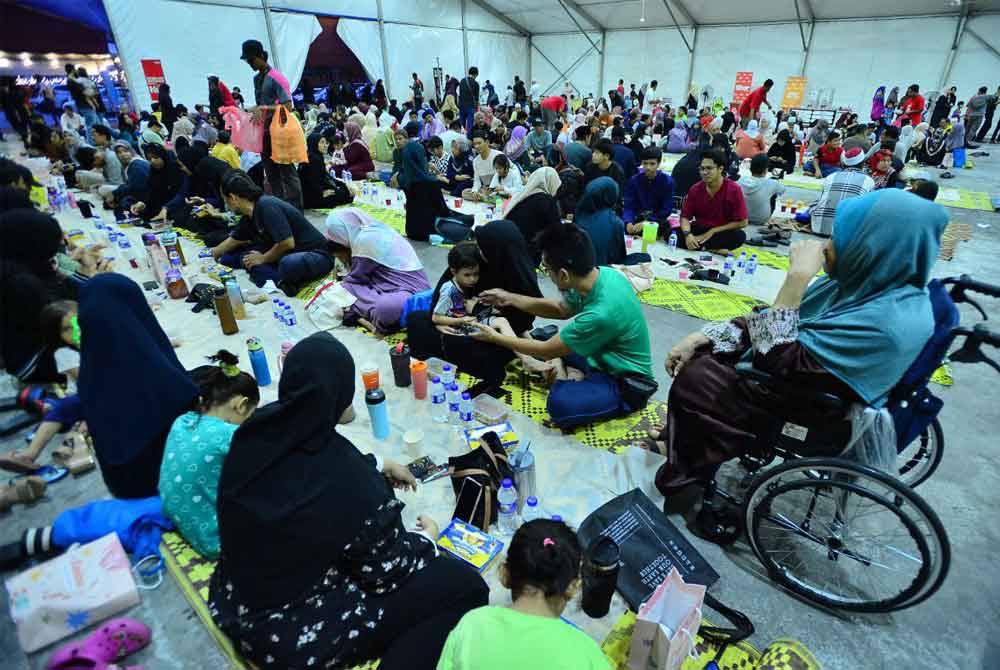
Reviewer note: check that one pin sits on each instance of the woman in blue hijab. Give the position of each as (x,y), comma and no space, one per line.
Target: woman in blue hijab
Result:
(852,333)
(595,213)
(131,384)
(425,205)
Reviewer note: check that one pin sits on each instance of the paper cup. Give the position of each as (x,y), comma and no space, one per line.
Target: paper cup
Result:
(412,439)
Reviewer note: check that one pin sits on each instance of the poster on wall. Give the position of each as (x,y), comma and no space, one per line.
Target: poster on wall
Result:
(744,83)
(795,91)
(153,71)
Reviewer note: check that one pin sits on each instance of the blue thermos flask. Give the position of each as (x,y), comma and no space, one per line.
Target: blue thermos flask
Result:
(378,412)
(258,359)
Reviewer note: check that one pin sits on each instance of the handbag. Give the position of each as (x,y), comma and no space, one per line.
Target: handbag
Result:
(650,546)
(476,478)
(288,142)
(77,589)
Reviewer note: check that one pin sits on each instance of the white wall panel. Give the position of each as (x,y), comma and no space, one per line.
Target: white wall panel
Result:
(498,57)
(358,8)
(446,13)
(641,56)
(412,49)
(563,51)
(975,65)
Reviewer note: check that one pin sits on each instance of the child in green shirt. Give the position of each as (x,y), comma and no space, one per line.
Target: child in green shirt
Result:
(542,571)
(197,445)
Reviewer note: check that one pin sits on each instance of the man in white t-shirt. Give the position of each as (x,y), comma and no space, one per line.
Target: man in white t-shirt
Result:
(535,92)
(507,180)
(482,168)
(651,98)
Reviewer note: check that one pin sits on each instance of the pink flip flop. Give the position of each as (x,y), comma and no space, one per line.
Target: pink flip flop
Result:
(112,641)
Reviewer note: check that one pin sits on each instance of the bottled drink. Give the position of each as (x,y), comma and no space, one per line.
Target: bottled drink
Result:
(378,413)
(439,401)
(236,297)
(447,374)
(125,249)
(741,266)
(531,510)
(224,309)
(176,286)
(288,312)
(465,410)
(454,399)
(727,267)
(507,499)
(258,359)
(751,270)
(556,517)
(285,348)
(672,242)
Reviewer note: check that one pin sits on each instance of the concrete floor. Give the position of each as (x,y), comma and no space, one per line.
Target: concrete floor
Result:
(955,629)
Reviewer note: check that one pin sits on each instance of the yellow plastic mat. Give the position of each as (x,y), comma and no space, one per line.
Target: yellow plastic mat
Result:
(764,257)
(942,376)
(192,572)
(396,219)
(954,233)
(703,302)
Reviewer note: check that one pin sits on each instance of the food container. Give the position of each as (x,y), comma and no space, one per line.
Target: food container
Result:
(489,411)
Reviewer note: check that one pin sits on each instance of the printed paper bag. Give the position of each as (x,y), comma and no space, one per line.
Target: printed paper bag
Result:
(326,309)
(70,592)
(666,625)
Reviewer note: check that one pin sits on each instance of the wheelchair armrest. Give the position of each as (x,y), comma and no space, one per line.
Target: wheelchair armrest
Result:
(800,393)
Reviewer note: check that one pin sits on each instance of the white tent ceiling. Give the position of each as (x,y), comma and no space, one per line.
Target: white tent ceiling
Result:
(550,16)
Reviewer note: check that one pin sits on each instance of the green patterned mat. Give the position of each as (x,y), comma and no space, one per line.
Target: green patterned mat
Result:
(703,302)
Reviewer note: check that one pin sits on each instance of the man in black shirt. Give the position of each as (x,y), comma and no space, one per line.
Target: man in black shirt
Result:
(603,165)
(468,98)
(270,91)
(686,172)
(273,241)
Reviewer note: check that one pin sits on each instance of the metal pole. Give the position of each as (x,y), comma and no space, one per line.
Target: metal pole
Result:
(960,31)
(694,48)
(270,34)
(385,54)
(673,18)
(124,62)
(465,42)
(600,67)
(529,57)
(805,54)
(577,24)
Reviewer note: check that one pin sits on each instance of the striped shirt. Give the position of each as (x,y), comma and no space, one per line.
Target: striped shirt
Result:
(848,183)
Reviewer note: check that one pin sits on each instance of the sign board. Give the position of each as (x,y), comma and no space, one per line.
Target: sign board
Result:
(153,71)
(744,84)
(795,91)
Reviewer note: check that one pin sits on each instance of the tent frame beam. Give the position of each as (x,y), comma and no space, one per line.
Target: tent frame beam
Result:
(465,44)
(960,30)
(587,16)
(583,32)
(385,53)
(270,33)
(670,10)
(979,38)
(685,12)
(503,18)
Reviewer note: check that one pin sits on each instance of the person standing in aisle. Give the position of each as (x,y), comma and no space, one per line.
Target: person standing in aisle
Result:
(418,91)
(468,98)
(991,106)
(271,89)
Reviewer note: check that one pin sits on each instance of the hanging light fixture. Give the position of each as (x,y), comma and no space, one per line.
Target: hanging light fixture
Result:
(642,19)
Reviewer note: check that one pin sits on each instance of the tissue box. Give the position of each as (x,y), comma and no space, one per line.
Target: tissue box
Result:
(470,544)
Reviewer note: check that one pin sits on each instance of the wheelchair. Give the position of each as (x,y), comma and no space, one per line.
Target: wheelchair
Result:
(836,532)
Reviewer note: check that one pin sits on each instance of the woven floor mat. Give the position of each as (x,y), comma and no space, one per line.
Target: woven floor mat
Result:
(703,302)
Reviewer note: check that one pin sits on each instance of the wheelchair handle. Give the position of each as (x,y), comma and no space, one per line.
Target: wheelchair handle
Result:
(970,351)
(964,283)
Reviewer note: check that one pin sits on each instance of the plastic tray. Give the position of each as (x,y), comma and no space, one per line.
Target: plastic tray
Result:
(488,410)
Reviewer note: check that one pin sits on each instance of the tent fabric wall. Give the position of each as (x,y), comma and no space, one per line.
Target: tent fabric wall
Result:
(363,39)
(192,40)
(498,57)
(417,49)
(975,65)
(563,51)
(641,56)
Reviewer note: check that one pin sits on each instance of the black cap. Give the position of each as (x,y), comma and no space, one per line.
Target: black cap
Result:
(252,49)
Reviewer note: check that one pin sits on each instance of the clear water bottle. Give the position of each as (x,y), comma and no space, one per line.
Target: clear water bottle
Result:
(347,175)
(556,517)
(672,242)
(751,271)
(454,401)
(447,374)
(439,401)
(727,266)
(738,271)
(531,510)
(465,410)
(288,312)
(507,498)
(125,250)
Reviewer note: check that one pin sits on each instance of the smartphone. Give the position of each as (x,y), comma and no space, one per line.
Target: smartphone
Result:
(427,470)
(468,499)
(150,285)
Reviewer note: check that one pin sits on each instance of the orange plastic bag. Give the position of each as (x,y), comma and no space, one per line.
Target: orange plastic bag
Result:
(288,142)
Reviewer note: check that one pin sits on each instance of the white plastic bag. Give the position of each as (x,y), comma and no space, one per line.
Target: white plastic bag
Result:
(873,438)
(326,309)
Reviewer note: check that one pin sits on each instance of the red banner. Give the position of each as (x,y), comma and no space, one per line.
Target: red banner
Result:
(153,71)
(744,84)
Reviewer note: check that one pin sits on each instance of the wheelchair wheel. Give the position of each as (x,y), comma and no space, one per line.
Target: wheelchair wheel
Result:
(918,461)
(846,536)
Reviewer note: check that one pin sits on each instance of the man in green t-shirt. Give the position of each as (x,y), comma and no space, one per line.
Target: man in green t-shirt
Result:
(607,342)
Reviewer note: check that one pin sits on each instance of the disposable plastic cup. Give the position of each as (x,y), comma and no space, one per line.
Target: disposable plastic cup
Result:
(418,371)
(650,229)
(369,376)
(388,202)
(458,203)
(683,274)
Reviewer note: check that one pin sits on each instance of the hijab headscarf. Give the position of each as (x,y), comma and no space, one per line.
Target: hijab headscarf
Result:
(878,103)
(904,142)
(956,137)
(867,320)
(371,239)
(516,144)
(208,176)
(543,180)
(206,134)
(291,480)
(150,137)
(432,129)
(595,214)
(353,132)
(415,168)
(880,177)
(893,98)
(120,335)
(753,129)
(507,264)
(29,239)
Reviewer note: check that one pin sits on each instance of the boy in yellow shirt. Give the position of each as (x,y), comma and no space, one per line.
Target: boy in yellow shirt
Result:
(225,151)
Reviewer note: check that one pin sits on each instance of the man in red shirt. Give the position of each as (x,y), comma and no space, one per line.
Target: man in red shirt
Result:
(913,105)
(717,206)
(552,107)
(750,109)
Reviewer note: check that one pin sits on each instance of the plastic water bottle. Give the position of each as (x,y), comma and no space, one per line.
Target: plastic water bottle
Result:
(531,510)
(454,400)
(347,176)
(507,498)
(125,249)
(288,312)
(447,374)
(672,242)
(556,517)
(750,271)
(465,410)
(738,271)
(439,401)
(727,266)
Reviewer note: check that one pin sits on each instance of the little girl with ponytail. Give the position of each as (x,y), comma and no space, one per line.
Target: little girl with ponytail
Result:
(542,570)
(197,446)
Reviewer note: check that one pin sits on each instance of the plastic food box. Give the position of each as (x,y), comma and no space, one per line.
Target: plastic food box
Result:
(489,411)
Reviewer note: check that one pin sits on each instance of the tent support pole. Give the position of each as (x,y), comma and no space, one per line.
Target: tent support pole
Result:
(529,58)
(960,30)
(124,62)
(270,34)
(694,48)
(578,26)
(673,18)
(600,67)
(562,75)
(385,54)
(979,38)
(805,54)
(465,41)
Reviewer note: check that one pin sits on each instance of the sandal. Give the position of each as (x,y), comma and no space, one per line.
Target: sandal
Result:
(74,454)
(24,490)
(761,242)
(110,643)
(47,473)
(544,333)
(15,462)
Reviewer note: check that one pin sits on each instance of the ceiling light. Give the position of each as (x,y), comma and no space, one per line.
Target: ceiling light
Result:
(642,19)
(26,62)
(4,62)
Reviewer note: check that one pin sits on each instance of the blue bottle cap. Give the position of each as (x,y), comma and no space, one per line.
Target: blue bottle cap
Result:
(435,379)
(556,517)
(507,483)
(466,396)
(531,501)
